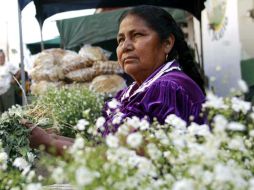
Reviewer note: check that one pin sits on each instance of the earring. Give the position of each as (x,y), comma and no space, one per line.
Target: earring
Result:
(166,57)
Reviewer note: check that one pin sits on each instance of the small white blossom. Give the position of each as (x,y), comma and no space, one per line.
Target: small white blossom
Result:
(184,184)
(218,68)
(201,130)
(30,157)
(84,176)
(134,140)
(3,160)
(30,176)
(58,175)
(112,141)
(133,122)
(153,151)
(251,133)
(100,122)
(243,86)
(113,104)
(144,125)
(251,184)
(123,130)
(236,144)
(252,116)
(78,144)
(161,135)
(214,102)
(21,163)
(81,125)
(34,186)
(240,105)
(223,173)
(220,122)
(176,122)
(235,126)
(117,119)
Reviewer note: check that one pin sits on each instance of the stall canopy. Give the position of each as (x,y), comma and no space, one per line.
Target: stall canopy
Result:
(98,28)
(36,46)
(47,8)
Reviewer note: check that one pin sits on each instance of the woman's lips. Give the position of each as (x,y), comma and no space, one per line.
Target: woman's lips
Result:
(129,59)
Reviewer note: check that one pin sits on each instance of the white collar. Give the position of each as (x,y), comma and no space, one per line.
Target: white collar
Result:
(166,68)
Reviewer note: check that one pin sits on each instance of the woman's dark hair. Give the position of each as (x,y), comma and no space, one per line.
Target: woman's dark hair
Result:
(164,24)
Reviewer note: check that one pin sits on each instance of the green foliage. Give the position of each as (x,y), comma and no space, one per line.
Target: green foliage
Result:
(65,107)
(14,136)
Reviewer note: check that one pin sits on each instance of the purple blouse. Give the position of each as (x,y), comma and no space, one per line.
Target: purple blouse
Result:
(167,91)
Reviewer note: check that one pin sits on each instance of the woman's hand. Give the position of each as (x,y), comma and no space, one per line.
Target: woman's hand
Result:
(53,143)
(38,136)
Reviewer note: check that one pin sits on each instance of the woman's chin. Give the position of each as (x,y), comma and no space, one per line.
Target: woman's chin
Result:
(130,70)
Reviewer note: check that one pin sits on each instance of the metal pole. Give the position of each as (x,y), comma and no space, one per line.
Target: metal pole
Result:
(42,44)
(22,68)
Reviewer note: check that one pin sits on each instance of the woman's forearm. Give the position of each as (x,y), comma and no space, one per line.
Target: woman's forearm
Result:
(57,146)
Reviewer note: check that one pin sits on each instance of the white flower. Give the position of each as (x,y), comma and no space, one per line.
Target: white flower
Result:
(31,175)
(133,122)
(161,135)
(58,175)
(144,124)
(123,130)
(3,157)
(176,122)
(112,141)
(214,102)
(84,176)
(34,186)
(251,133)
(3,160)
(252,116)
(100,122)
(243,86)
(240,105)
(30,157)
(81,125)
(235,126)
(113,104)
(117,119)
(184,184)
(21,163)
(220,122)
(134,140)
(78,144)
(251,184)
(223,173)
(236,144)
(201,130)
(153,151)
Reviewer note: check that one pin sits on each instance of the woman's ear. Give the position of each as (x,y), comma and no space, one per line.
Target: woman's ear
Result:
(169,43)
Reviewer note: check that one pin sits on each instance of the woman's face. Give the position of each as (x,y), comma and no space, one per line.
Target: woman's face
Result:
(140,51)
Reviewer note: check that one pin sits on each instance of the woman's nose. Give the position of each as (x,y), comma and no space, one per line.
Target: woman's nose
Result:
(127,45)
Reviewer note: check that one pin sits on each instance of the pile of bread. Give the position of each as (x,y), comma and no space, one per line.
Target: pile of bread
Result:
(89,67)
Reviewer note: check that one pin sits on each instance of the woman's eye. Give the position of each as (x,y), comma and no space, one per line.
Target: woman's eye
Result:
(137,34)
(120,40)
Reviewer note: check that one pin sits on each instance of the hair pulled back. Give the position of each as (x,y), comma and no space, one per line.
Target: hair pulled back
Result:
(164,24)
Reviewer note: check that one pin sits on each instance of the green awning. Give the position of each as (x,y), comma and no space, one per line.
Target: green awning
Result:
(97,28)
(36,46)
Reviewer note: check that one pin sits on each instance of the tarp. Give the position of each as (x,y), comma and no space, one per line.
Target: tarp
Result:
(36,46)
(47,8)
(98,28)
(23,3)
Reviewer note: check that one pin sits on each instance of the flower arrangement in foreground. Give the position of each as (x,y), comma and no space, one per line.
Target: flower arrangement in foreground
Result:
(171,156)
(141,155)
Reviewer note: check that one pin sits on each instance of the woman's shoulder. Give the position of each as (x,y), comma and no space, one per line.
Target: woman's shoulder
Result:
(178,82)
